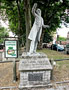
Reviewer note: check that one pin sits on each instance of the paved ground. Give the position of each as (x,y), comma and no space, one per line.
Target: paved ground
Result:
(57,88)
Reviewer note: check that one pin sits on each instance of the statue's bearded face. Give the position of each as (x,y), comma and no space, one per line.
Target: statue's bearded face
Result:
(38,11)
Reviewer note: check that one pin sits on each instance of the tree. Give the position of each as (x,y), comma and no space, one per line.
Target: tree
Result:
(52,12)
(15,14)
(61,38)
(3,34)
(28,22)
(18,12)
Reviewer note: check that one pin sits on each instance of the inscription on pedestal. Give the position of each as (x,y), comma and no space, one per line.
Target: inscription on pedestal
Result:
(35,77)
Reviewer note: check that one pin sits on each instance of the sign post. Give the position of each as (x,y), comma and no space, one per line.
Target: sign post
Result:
(11,49)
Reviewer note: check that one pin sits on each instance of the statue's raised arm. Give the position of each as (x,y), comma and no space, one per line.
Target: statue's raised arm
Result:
(34,9)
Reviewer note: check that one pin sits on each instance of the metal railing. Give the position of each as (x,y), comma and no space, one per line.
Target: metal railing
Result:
(14,74)
(9,88)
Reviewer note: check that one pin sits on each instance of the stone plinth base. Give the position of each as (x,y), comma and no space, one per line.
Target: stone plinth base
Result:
(35,55)
(34,71)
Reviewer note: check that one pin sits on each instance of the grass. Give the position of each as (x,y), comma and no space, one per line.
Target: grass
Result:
(51,54)
(61,69)
(54,54)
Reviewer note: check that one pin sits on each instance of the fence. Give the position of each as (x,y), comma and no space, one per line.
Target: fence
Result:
(9,88)
(15,74)
(62,70)
(50,86)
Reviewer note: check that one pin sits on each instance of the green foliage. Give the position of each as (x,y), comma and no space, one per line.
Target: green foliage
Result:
(61,39)
(47,37)
(12,12)
(16,17)
(67,19)
(52,12)
(3,34)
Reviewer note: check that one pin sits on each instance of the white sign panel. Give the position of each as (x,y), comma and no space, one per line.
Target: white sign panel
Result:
(11,48)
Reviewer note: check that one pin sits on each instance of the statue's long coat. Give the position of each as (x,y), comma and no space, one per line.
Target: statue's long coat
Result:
(36,29)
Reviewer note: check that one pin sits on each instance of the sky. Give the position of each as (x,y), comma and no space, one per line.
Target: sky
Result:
(63,31)
(6,25)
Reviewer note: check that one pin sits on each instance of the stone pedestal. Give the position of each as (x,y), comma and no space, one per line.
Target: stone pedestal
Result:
(35,70)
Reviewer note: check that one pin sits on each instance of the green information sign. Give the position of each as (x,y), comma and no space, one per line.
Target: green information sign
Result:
(11,49)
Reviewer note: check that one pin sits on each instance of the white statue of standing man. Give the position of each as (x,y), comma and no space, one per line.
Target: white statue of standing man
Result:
(36,29)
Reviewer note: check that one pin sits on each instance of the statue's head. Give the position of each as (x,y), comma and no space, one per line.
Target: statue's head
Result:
(38,11)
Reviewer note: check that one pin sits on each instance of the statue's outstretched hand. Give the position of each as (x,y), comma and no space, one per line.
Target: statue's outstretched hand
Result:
(46,26)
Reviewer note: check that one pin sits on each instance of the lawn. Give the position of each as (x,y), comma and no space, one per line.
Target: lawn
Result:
(54,54)
(51,54)
(61,70)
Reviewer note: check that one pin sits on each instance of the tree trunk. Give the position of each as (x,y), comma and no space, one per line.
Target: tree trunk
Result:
(41,40)
(28,22)
(19,17)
